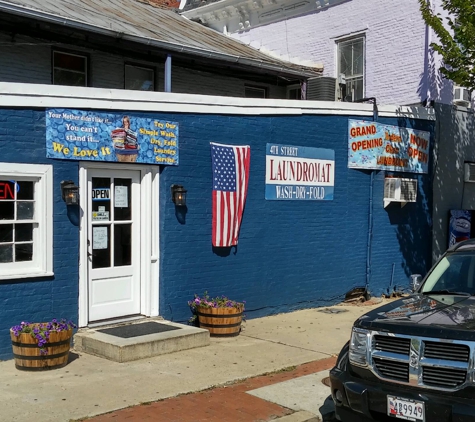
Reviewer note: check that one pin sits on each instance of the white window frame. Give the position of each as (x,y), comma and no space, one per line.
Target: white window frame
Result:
(143,67)
(292,88)
(342,40)
(86,64)
(254,88)
(42,264)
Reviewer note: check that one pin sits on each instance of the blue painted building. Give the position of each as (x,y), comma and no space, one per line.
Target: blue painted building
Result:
(96,262)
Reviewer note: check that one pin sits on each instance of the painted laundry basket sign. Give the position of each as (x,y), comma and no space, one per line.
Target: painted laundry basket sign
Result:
(89,135)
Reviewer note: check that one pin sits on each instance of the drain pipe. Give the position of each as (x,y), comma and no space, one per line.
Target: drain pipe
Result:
(370,214)
(168,73)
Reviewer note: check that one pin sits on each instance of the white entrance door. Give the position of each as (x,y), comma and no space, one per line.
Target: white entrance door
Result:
(113,243)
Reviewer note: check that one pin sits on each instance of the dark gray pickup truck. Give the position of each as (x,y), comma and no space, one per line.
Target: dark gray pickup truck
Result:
(414,358)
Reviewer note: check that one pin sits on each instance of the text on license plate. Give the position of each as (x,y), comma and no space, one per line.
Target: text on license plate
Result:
(409,410)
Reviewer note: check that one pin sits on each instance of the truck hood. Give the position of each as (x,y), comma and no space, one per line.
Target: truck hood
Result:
(446,316)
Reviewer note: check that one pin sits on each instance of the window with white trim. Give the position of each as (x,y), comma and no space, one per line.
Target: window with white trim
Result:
(351,61)
(139,78)
(69,69)
(255,92)
(26,220)
(294,92)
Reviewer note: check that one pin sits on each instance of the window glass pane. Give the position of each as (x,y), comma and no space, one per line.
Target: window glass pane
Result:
(25,190)
(122,245)
(101,203)
(25,210)
(65,77)
(7,190)
(101,250)
(7,210)
(122,199)
(139,78)
(345,59)
(6,253)
(358,57)
(6,233)
(23,232)
(254,92)
(69,62)
(23,252)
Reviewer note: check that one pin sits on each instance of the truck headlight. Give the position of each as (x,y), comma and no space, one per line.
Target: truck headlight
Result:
(359,347)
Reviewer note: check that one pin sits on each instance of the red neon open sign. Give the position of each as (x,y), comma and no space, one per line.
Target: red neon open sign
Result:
(7,190)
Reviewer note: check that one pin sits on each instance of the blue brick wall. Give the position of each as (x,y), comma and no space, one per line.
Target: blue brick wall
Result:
(22,134)
(291,254)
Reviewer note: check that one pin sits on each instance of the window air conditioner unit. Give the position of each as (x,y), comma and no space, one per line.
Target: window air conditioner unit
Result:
(469,172)
(399,190)
(461,96)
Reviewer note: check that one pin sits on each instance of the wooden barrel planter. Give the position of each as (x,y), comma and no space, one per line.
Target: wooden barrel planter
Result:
(28,355)
(220,322)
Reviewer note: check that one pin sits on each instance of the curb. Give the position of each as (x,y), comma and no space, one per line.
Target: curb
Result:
(301,416)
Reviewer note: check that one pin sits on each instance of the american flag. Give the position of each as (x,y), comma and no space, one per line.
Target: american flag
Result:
(230,180)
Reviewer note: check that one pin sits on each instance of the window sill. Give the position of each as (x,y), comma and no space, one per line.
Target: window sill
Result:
(30,274)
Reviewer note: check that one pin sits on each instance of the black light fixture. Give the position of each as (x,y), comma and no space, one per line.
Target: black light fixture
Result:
(69,192)
(178,195)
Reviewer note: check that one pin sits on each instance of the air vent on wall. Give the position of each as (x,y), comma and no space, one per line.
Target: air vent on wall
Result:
(469,172)
(461,96)
(399,190)
(322,88)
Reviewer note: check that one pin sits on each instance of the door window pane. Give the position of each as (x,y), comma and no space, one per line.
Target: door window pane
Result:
(101,202)
(122,199)
(101,251)
(122,244)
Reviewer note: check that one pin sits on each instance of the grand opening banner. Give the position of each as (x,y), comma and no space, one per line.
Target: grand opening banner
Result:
(299,173)
(95,136)
(376,146)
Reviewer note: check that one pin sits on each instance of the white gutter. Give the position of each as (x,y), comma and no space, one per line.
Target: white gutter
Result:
(177,48)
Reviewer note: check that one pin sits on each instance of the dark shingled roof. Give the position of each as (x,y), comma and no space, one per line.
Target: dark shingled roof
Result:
(160,27)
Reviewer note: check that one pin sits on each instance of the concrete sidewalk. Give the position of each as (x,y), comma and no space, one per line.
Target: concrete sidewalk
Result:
(89,385)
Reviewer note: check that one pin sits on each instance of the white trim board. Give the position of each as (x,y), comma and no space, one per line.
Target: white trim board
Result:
(149,244)
(51,96)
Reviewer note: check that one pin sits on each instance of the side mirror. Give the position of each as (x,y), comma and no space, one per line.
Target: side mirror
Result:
(416,280)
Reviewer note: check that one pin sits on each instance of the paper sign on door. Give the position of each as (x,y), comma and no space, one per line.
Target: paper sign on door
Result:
(99,238)
(120,195)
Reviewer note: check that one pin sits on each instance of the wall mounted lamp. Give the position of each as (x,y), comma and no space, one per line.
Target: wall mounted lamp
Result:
(69,192)
(178,195)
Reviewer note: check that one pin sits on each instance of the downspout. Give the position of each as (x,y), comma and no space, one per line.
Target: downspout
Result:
(370,213)
(168,73)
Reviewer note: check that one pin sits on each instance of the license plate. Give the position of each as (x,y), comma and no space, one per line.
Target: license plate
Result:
(410,410)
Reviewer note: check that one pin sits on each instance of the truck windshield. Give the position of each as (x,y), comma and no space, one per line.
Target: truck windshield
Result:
(455,273)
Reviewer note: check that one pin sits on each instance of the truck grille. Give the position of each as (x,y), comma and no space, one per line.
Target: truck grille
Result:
(392,344)
(445,378)
(392,370)
(447,351)
(422,362)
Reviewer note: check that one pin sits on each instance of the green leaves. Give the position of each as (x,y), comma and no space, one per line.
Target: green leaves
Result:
(455,30)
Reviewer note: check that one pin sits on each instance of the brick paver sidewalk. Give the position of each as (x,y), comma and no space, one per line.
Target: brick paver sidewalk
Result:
(220,404)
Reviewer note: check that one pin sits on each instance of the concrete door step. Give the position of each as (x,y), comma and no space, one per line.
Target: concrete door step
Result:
(141,339)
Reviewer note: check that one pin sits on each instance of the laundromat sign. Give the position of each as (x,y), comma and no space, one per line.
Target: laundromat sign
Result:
(94,136)
(299,173)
